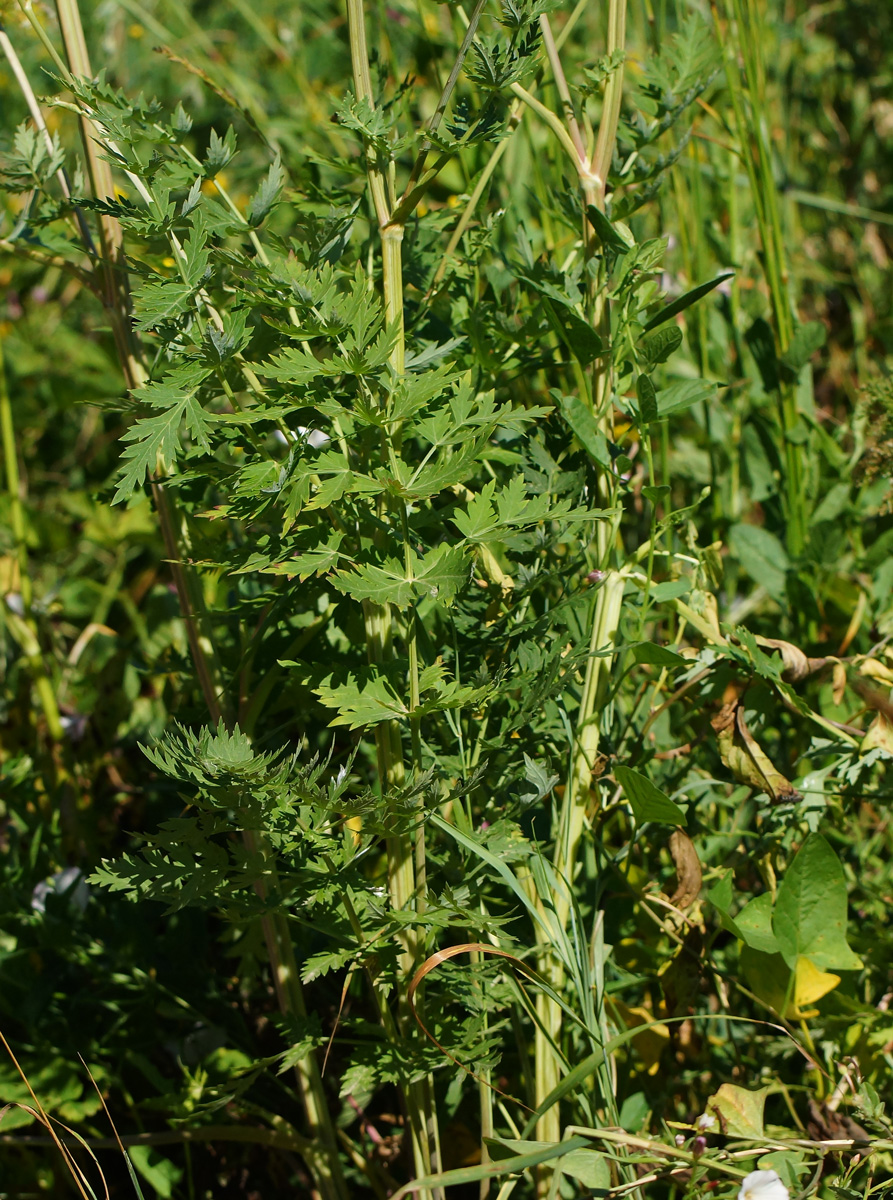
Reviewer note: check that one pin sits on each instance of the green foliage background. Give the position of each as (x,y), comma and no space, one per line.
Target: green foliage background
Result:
(399,618)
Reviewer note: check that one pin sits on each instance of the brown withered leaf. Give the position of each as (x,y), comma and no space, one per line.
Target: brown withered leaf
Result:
(745,758)
(796,664)
(680,980)
(688,870)
(876,700)
(878,735)
(827,1125)
(838,682)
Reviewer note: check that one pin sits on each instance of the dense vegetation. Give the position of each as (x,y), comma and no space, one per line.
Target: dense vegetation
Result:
(445,560)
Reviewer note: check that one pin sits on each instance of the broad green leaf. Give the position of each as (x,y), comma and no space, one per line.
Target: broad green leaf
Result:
(541,783)
(806,340)
(312,560)
(810,916)
(609,236)
(442,573)
(658,656)
(682,302)
(361,700)
(657,347)
(154,437)
(762,556)
(648,410)
(587,1166)
(648,802)
(160,301)
(656,492)
(720,896)
(263,200)
(761,342)
(196,252)
(834,503)
(151,438)
(740,1111)
(384,583)
(788,1165)
(670,589)
(157,1170)
(680,396)
(586,429)
(754,924)
(582,340)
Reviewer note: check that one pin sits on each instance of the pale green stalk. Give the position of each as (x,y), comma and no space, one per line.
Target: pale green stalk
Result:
(405,852)
(486,175)
(406,855)
(593,175)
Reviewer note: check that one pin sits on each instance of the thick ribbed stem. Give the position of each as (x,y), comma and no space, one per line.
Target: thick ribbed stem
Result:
(593,177)
(405,851)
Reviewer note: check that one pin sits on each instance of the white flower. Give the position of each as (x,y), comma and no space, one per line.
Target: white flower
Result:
(705,1121)
(763,1185)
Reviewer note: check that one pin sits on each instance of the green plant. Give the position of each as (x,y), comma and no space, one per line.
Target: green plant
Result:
(511,602)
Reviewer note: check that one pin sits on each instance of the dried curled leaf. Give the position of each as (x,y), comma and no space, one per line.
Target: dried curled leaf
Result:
(797,665)
(745,758)
(681,978)
(873,668)
(879,735)
(688,870)
(838,684)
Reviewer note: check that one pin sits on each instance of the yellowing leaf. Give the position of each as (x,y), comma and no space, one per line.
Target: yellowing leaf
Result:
(875,669)
(740,1112)
(769,978)
(810,984)
(879,735)
(745,758)
(654,1038)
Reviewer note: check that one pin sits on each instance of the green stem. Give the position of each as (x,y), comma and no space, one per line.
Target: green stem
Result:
(593,178)
(750,120)
(554,122)
(405,851)
(613,99)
